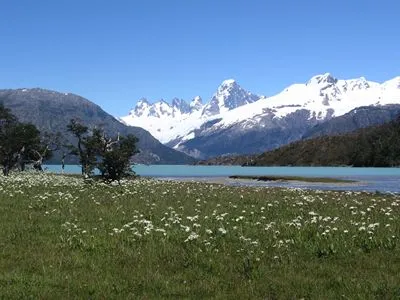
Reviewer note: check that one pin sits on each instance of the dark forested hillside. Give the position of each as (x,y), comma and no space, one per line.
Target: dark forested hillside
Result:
(377,146)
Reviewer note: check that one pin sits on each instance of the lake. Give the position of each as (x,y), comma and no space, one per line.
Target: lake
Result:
(369,179)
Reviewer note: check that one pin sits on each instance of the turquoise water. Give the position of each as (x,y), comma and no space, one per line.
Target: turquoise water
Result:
(222,171)
(218,171)
(369,179)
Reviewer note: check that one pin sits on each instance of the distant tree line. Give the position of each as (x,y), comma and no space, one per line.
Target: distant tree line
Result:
(228,160)
(376,146)
(22,144)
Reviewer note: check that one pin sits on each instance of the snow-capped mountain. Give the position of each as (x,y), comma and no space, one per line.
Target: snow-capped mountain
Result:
(168,122)
(237,121)
(228,96)
(196,104)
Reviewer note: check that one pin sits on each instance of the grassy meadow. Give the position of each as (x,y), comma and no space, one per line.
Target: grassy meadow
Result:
(148,239)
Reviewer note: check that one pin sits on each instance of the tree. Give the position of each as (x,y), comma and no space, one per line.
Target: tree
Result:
(49,143)
(87,146)
(18,141)
(95,150)
(116,159)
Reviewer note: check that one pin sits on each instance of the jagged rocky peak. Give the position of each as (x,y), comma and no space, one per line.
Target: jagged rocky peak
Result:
(196,103)
(140,108)
(228,84)
(161,108)
(181,105)
(229,95)
(142,102)
(324,79)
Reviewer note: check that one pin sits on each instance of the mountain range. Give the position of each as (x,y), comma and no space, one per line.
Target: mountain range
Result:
(51,111)
(233,122)
(366,117)
(236,121)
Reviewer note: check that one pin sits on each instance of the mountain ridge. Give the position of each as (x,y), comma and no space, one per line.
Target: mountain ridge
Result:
(357,119)
(298,107)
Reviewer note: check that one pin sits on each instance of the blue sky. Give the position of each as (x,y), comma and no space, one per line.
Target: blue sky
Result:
(115,52)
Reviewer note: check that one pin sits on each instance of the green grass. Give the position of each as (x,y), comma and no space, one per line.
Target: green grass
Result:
(147,239)
(293,178)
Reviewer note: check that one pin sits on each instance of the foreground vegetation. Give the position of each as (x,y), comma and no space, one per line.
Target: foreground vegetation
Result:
(147,239)
(22,145)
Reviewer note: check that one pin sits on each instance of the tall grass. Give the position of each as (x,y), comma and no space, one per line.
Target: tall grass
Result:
(148,239)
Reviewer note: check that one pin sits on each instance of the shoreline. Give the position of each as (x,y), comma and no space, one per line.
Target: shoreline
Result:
(353,186)
(294,178)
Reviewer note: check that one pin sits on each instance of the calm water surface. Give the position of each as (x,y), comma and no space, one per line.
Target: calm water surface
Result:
(369,179)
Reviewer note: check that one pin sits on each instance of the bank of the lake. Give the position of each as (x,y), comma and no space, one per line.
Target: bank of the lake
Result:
(293,178)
